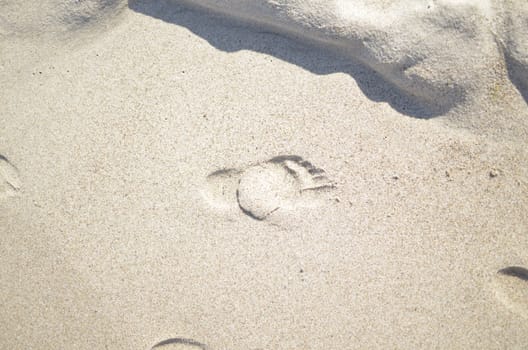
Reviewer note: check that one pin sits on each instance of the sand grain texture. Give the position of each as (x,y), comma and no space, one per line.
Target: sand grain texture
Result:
(178,176)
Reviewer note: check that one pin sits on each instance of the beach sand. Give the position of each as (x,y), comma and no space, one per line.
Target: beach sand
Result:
(198,184)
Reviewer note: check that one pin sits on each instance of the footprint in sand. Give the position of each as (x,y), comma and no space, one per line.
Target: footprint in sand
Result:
(9,179)
(511,289)
(281,183)
(180,344)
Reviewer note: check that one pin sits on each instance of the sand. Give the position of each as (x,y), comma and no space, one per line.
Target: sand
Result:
(174,177)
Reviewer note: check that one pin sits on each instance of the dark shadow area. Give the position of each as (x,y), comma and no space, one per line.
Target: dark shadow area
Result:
(518,74)
(4,159)
(515,271)
(183,341)
(225,35)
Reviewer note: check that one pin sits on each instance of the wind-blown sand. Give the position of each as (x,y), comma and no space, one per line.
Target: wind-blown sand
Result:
(172,177)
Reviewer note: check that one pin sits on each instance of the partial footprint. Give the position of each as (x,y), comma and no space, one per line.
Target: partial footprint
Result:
(281,183)
(9,179)
(180,344)
(511,289)
(221,188)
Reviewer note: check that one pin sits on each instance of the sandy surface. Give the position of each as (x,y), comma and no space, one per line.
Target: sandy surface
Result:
(156,187)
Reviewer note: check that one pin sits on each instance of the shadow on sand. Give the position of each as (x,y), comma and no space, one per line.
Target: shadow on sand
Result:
(518,74)
(179,342)
(226,35)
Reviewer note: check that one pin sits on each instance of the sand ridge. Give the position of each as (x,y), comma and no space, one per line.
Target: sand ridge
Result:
(415,47)
(9,177)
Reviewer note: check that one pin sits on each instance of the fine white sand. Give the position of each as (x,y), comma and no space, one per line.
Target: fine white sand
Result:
(215,177)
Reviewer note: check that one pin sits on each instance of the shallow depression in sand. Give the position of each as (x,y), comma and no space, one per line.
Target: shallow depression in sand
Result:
(180,344)
(511,289)
(285,182)
(9,179)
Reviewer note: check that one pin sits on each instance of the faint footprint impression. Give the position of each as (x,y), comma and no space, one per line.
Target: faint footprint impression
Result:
(180,344)
(511,289)
(9,179)
(281,183)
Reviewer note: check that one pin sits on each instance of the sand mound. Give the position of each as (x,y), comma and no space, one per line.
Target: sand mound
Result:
(422,48)
(514,39)
(28,18)
(437,53)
